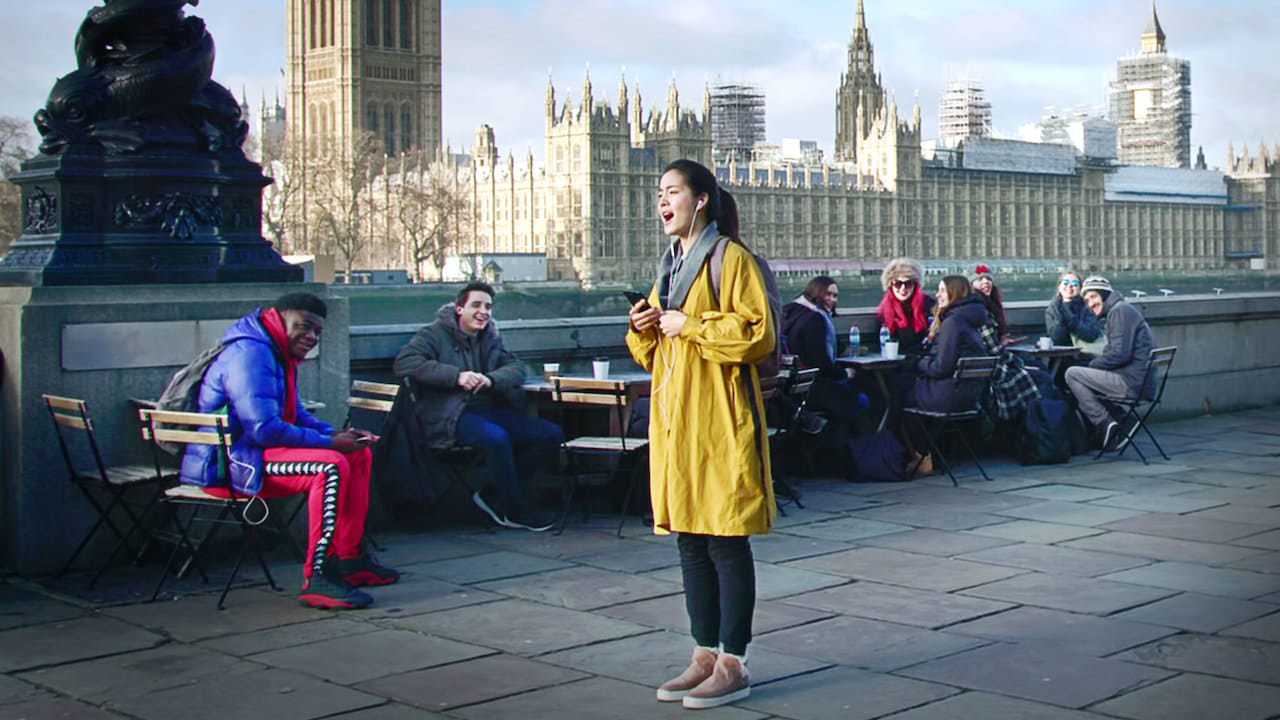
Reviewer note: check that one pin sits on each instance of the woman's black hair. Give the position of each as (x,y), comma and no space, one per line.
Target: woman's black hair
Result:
(305,302)
(720,207)
(817,288)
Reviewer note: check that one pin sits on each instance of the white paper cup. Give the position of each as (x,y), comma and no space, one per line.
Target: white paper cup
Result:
(550,370)
(890,349)
(600,368)
(1045,343)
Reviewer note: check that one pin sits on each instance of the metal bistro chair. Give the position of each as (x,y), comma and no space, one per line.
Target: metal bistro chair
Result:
(970,372)
(618,447)
(1136,411)
(792,387)
(106,488)
(215,512)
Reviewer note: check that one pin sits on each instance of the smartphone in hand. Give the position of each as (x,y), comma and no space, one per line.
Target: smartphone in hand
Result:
(634,297)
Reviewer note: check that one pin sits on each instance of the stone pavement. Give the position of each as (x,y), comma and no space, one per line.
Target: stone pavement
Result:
(1088,590)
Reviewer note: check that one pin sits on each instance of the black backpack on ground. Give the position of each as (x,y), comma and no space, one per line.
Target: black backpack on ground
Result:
(1047,430)
(879,457)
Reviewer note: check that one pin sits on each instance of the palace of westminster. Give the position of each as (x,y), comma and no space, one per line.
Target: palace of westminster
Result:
(1112,195)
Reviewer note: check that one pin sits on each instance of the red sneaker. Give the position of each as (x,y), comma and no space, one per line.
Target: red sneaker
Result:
(318,592)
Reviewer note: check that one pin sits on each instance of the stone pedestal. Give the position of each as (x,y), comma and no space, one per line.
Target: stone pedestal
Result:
(107,344)
(163,216)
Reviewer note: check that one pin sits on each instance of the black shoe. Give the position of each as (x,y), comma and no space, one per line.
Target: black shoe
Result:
(481,503)
(320,592)
(531,518)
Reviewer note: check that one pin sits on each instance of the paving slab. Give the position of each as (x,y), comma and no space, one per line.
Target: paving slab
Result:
(972,705)
(1035,531)
(1070,513)
(582,588)
(13,690)
(927,541)
(470,682)
(565,546)
(642,557)
(938,518)
(1073,594)
(287,636)
(593,699)
(779,547)
(1269,540)
(1197,612)
(70,640)
(1072,632)
(267,693)
(1232,657)
(355,658)
(1203,579)
(1263,562)
(842,692)
(776,581)
(28,607)
(1196,697)
(413,596)
(56,709)
(406,552)
(1163,484)
(669,613)
(921,608)
(109,679)
(1264,628)
(844,529)
(521,627)
(1049,558)
(490,566)
(868,644)
(910,569)
(392,711)
(1068,493)
(1155,503)
(652,659)
(1037,672)
(1156,547)
(1243,514)
(189,619)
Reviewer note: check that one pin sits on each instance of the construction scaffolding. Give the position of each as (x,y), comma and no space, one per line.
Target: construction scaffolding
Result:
(964,112)
(1151,106)
(737,121)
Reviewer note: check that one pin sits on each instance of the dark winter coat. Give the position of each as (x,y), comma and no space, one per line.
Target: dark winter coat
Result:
(437,355)
(809,334)
(1065,321)
(248,380)
(1129,346)
(959,335)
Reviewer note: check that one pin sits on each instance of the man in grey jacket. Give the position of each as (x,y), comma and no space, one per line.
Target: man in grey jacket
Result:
(1121,369)
(469,390)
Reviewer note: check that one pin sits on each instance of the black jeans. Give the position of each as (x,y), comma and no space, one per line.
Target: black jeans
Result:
(719,589)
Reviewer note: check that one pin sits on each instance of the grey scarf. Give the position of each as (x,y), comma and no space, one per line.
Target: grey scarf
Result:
(676,275)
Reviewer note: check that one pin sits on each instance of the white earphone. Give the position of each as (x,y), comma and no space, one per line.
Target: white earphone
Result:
(700,204)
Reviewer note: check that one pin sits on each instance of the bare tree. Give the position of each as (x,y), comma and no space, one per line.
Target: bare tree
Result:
(431,211)
(340,209)
(16,143)
(280,200)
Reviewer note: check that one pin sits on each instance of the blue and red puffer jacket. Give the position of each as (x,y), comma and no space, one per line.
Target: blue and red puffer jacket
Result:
(247,380)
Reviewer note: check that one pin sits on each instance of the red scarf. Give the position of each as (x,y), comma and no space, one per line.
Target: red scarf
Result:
(273,323)
(895,318)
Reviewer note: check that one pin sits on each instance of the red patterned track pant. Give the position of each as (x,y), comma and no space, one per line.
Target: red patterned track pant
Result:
(338,490)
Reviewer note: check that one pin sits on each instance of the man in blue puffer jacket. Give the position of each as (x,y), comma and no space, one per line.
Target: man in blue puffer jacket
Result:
(279,449)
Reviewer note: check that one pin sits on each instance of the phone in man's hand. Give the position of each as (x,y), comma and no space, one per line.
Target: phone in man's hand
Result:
(634,297)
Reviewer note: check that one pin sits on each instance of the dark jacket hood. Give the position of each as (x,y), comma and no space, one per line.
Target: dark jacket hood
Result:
(447,317)
(1112,300)
(250,327)
(970,309)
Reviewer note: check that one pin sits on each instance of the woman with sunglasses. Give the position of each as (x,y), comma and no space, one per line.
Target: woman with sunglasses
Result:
(1068,320)
(904,309)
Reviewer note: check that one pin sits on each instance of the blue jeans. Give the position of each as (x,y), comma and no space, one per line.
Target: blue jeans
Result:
(719,589)
(515,447)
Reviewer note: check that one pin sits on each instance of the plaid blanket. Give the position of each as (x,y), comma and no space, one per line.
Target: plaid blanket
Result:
(1011,388)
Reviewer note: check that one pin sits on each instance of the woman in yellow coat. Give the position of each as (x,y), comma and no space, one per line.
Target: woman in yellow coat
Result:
(708,442)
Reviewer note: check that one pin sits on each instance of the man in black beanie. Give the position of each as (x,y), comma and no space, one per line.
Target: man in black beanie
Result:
(1121,369)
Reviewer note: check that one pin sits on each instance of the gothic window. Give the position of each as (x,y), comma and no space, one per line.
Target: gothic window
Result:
(406,128)
(332,22)
(370,22)
(389,128)
(388,28)
(371,117)
(324,23)
(311,24)
(406,25)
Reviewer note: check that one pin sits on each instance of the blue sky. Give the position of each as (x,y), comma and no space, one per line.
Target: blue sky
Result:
(497,55)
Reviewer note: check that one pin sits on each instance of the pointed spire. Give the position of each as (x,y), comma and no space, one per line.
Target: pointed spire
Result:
(622,94)
(915,114)
(1231,155)
(587,100)
(706,103)
(551,96)
(861,23)
(1153,34)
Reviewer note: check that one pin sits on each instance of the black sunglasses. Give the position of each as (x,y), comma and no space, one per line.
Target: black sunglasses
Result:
(904,283)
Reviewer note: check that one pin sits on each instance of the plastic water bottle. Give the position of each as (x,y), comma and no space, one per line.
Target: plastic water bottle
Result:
(855,340)
(884,337)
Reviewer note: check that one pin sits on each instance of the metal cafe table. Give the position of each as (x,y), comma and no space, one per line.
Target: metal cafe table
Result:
(878,365)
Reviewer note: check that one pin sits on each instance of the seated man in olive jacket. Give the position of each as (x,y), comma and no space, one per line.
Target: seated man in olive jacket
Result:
(469,388)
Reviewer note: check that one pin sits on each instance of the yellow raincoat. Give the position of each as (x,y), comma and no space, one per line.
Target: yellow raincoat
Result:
(708,441)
